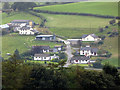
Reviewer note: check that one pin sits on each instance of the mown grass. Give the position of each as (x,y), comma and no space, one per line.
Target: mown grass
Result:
(41,62)
(19,15)
(82,65)
(12,42)
(102,8)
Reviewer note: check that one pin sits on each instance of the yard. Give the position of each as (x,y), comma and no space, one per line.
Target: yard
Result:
(11,42)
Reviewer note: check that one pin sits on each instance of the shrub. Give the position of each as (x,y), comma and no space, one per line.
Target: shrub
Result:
(97,64)
(108,69)
(100,42)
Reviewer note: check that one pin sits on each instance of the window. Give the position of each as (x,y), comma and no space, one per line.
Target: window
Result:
(76,60)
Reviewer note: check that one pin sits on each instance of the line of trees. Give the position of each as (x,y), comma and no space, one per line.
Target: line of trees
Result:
(70,13)
(43,19)
(18,74)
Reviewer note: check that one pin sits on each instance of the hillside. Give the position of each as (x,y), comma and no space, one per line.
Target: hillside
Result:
(19,15)
(111,45)
(73,26)
(102,8)
(11,42)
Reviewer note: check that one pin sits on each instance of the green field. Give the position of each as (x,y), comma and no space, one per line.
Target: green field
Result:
(19,15)
(102,8)
(111,45)
(72,26)
(12,42)
(71,21)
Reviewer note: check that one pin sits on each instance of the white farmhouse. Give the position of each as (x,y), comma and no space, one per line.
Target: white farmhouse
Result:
(80,60)
(88,51)
(90,37)
(25,30)
(44,57)
(5,26)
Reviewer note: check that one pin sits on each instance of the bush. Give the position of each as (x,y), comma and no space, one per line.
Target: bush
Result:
(100,42)
(108,32)
(108,69)
(97,64)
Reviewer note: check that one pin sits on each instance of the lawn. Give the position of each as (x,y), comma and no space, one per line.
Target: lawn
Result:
(83,65)
(12,42)
(102,8)
(19,15)
(41,62)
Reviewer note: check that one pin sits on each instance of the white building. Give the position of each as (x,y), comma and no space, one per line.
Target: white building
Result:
(80,60)
(5,26)
(26,30)
(90,37)
(40,49)
(88,51)
(45,57)
(46,37)
(74,41)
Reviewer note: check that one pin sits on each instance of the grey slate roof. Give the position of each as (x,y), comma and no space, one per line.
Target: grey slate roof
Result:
(85,35)
(80,58)
(20,21)
(41,55)
(41,47)
(93,35)
(89,48)
(24,28)
(94,49)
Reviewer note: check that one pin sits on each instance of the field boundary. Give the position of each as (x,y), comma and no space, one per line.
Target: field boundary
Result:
(79,14)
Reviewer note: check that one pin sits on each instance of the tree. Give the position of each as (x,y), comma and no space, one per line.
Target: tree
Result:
(100,29)
(97,64)
(6,5)
(109,69)
(100,42)
(21,6)
(17,55)
(112,22)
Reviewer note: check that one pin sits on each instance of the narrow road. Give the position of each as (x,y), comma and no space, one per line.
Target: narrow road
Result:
(68,52)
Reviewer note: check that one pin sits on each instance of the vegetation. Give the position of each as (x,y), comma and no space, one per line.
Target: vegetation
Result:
(19,15)
(111,45)
(12,41)
(101,8)
(71,21)
(22,6)
(17,74)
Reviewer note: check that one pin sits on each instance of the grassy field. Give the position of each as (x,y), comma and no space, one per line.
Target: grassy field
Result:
(111,45)
(102,8)
(74,26)
(19,15)
(12,42)
(71,21)
(72,32)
